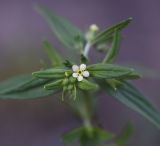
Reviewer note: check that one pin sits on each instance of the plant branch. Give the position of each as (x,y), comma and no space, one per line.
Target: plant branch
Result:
(87,49)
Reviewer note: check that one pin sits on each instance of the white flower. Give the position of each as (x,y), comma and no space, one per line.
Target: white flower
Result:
(79,72)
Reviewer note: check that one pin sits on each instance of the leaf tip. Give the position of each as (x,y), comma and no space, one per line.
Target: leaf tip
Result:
(34,74)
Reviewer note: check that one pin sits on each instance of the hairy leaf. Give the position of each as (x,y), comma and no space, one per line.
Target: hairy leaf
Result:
(52,54)
(54,85)
(65,31)
(56,72)
(110,71)
(108,33)
(87,85)
(124,136)
(74,135)
(95,138)
(146,72)
(131,97)
(113,51)
(24,87)
(102,134)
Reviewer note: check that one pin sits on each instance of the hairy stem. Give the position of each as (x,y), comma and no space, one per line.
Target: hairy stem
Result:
(88,126)
(87,49)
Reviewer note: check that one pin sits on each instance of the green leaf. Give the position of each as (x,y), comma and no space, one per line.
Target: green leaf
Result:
(84,59)
(124,136)
(102,134)
(97,137)
(24,87)
(68,63)
(65,31)
(87,85)
(113,51)
(110,71)
(56,72)
(145,71)
(70,137)
(54,85)
(81,135)
(52,54)
(109,32)
(131,97)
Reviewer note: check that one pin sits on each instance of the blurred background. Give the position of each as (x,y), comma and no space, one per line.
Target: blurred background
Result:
(41,122)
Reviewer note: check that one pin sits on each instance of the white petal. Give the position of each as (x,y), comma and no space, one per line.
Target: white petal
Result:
(75,75)
(82,67)
(75,68)
(80,78)
(86,74)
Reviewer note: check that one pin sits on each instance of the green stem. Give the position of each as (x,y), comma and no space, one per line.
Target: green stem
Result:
(88,126)
(105,59)
(87,49)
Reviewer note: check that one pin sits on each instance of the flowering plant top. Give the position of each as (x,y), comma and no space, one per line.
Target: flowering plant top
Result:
(83,82)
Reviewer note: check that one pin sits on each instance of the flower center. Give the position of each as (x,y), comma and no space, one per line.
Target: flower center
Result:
(79,72)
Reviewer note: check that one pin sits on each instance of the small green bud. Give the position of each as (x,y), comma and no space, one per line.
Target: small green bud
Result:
(66,74)
(65,81)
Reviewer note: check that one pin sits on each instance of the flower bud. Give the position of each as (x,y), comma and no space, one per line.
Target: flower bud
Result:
(92,32)
(66,74)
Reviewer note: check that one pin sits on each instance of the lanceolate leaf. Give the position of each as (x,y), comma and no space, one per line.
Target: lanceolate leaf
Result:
(65,31)
(124,136)
(24,87)
(52,54)
(54,85)
(87,85)
(113,51)
(131,97)
(80,134)
(102,134)
(146,72)
(74,135)
(108,33)
(97,137)
(110,71)
(56,72)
